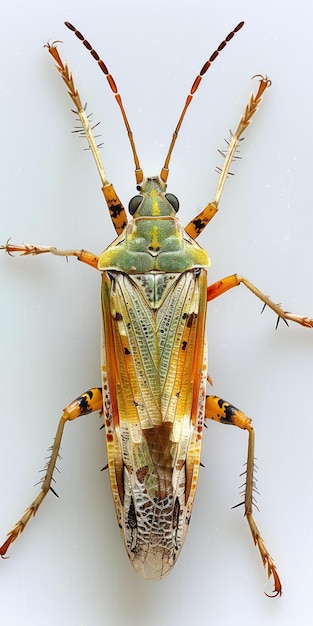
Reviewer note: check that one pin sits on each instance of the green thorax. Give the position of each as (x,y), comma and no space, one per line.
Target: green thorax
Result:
(154,239)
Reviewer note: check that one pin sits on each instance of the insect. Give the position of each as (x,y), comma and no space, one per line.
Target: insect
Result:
(154,364)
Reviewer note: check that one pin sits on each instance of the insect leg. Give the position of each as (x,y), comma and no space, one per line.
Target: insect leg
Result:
(117,211)
(196,226)
(218,410)
(82,255)
(223,285)
(86,403)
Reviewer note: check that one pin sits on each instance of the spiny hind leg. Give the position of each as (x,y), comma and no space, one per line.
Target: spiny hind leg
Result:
(220,411)
(86,403)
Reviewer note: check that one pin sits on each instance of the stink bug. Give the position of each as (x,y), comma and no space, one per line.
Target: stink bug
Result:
(154,369)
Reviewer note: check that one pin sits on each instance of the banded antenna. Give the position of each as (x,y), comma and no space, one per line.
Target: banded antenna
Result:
(165,169)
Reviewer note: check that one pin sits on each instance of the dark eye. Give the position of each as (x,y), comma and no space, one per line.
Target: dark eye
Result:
(173,201)
(134,204)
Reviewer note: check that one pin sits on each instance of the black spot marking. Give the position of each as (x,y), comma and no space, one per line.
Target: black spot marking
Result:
(84,404)
(199,225)
(116,210)
(191,319)
(229,414)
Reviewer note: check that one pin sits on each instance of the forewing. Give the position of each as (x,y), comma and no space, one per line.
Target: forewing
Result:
(154,374)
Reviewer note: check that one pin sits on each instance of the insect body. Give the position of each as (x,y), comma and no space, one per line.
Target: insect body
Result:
(154,370)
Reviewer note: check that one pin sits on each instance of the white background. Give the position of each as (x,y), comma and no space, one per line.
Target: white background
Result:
(69,567)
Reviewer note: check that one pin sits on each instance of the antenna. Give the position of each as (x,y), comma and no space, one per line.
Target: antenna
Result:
(113,87)
(195,85)
(165,169)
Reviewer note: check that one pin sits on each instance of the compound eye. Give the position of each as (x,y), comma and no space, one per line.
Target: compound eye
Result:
(173,201)
(134,203)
